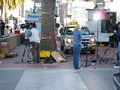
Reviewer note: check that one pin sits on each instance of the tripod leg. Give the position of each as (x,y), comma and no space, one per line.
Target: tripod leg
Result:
(23,54)
(92,57)
(29,54)
(94,66)
(28,51)
(101,59)
(86,64)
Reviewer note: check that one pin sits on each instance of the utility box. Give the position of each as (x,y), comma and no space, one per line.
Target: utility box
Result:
(4,49)
(44,55)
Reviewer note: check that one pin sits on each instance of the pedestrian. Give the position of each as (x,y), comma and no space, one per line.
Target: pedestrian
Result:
(35,41)
(2,27)
(6,30)
(15,23)
(117,38)
(77,37)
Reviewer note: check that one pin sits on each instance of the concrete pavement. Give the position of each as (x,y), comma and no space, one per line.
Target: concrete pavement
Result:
(56,79)
(11,62)
(56,76)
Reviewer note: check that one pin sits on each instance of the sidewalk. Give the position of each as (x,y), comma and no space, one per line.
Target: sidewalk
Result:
(16,62)
(56,76)
(56,79)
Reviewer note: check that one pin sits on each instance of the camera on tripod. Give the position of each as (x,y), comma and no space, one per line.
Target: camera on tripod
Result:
(27,26)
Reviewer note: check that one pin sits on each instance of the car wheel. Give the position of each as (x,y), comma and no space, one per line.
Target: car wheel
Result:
(66,51)
(62,45)
(92,51)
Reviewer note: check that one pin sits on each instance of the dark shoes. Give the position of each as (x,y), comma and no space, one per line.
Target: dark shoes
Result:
(76,68)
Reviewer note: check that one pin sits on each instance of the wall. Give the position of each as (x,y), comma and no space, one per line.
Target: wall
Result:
(14,40)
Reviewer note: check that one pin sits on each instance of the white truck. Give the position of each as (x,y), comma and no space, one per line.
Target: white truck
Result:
(88,42)
(102,28)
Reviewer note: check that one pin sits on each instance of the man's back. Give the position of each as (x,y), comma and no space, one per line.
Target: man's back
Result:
(77,37)
(35,37)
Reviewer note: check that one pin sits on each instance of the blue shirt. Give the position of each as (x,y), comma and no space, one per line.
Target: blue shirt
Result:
(117,35)
(77,37)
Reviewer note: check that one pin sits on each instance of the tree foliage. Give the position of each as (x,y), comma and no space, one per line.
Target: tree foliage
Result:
(12,4)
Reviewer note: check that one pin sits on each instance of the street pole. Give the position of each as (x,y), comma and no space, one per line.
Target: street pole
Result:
(97,38)
(34,6)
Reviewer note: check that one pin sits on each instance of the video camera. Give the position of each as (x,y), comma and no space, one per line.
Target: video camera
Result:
(27,26)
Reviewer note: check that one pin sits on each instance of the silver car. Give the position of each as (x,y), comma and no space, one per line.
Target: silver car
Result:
(88,42)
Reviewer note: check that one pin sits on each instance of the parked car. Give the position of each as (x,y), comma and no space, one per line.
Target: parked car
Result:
(88,42)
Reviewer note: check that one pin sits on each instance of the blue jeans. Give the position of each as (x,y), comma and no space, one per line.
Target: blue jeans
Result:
(76,56)
(118,52)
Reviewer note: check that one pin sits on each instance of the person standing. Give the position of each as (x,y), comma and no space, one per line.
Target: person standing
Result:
(77,37)
(35,41)
(2,27)
(117,37)
(15,23)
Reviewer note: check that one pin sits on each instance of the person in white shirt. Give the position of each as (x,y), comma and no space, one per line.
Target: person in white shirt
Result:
(35,41)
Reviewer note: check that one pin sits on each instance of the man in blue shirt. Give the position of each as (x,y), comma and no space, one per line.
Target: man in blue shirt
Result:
(77,37)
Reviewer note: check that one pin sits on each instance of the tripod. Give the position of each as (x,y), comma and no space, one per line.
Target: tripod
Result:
(86,61)
(98,57)
(28,49)
(107,59)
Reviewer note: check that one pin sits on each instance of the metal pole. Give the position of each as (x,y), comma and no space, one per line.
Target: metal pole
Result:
(34,6)
(97,40)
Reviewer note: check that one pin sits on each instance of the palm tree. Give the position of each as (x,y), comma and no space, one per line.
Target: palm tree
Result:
(9,4)
(48,41)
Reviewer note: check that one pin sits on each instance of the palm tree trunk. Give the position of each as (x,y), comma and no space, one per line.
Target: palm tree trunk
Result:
(4,11)
(2,4)
(48,41)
